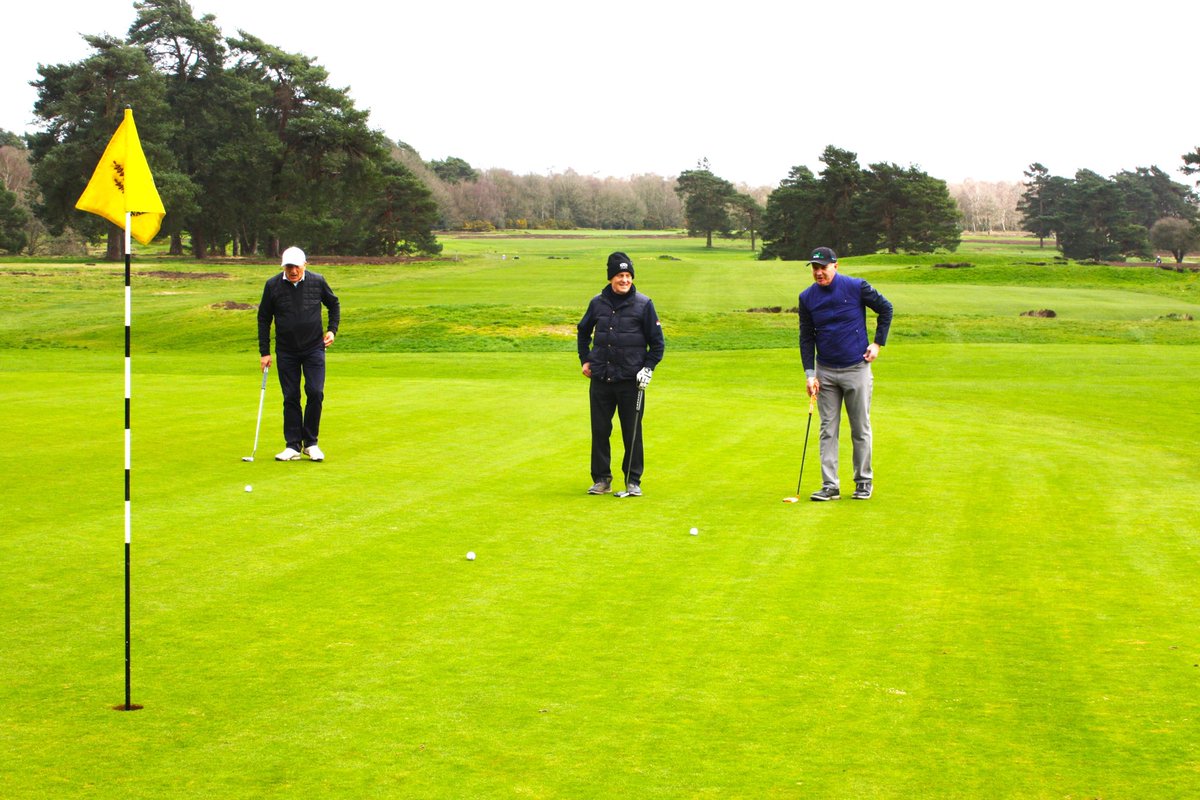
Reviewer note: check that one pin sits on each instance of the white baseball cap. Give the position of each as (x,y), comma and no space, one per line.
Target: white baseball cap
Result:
(294,256)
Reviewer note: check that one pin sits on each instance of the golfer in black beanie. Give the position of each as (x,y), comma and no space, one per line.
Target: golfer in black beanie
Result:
(620,342)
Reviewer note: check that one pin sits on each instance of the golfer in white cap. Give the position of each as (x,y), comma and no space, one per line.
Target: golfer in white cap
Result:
(293,299)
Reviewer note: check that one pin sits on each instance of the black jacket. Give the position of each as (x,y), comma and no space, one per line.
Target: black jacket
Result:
(627,335)
(297,313)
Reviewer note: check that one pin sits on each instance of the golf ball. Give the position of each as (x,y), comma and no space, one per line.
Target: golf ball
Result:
(249,488)
(471,555)
(694,531)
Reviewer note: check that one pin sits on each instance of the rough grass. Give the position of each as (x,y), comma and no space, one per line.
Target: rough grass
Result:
(476,301)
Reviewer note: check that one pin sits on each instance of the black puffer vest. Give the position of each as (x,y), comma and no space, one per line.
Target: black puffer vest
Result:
(619,339)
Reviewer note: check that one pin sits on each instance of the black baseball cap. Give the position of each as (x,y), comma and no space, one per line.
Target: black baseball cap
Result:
(823,256)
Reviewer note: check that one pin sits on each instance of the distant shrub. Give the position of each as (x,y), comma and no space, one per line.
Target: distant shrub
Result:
(1044,312)
(552,224)
(955,265)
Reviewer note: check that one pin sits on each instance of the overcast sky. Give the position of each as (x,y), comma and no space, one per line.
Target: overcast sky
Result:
(961,90)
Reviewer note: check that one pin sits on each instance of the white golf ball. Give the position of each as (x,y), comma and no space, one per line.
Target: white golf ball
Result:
(471,555)
(694,531)
(249,488)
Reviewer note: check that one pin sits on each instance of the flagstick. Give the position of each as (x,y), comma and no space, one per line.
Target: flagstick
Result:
(121,186)
(129,706)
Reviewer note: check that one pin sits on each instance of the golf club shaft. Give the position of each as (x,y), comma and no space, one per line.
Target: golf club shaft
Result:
(812,399)
(261,396)
(637,420)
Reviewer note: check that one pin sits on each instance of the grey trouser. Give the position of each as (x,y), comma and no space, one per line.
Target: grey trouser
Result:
(851,386)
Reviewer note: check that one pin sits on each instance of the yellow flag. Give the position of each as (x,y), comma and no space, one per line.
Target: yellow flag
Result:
(122,182)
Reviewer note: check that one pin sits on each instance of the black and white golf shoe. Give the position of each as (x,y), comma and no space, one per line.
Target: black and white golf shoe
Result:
(826,493)
(862,491)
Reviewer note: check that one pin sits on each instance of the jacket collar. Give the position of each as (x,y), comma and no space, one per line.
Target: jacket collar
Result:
(618,299)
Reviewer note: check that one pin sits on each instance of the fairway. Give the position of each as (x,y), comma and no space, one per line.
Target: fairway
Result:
(1012,614)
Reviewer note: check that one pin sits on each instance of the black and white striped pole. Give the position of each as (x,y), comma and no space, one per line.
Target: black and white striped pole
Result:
(129,706)
(121,188)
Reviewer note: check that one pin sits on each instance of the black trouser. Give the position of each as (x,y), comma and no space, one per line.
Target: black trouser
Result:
(300,429)
(622,398)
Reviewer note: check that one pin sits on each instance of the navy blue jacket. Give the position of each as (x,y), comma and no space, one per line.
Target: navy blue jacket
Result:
(628,335)
(296,310)
(833,321)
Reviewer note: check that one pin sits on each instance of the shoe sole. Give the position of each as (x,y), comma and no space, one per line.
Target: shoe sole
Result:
(293,458)
(606,491)
(824,499)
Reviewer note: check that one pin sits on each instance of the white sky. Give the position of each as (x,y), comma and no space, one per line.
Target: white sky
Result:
(961,90)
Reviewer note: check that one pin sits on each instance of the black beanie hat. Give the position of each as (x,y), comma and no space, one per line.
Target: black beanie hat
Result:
(619,262)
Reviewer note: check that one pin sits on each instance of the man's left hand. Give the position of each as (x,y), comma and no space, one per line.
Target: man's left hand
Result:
(329,337)
(643,377)
(872,352)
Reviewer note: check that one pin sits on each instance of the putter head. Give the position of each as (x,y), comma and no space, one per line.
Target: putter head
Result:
(791,499)
(247,458)
(620,494)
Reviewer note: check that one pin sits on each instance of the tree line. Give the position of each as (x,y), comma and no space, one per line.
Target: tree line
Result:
(493,199)
(251,148)
(1131,214)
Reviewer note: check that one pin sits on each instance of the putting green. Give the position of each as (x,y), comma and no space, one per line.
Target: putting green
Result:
(1009,616)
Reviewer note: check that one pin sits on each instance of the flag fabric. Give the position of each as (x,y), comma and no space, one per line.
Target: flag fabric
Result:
(122,184)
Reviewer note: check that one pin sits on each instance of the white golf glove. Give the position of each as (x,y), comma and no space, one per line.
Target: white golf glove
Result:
(643,377)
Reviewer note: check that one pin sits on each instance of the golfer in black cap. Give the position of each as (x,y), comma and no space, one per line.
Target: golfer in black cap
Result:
(620,343)
(837,364)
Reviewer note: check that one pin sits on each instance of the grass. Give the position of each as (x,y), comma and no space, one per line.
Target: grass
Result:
(1011,615)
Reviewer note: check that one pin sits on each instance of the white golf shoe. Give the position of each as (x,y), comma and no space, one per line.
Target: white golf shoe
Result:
(288,454)
(314,452)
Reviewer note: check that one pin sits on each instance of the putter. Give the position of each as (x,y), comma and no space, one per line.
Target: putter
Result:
(637,416)
(261,396)
(812,399)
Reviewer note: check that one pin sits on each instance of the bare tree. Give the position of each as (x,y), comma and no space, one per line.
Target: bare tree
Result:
(15,172)
(987,207)
(663,207)
(479,201)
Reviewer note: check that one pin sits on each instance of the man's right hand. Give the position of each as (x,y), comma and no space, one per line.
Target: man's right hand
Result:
(264,362)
